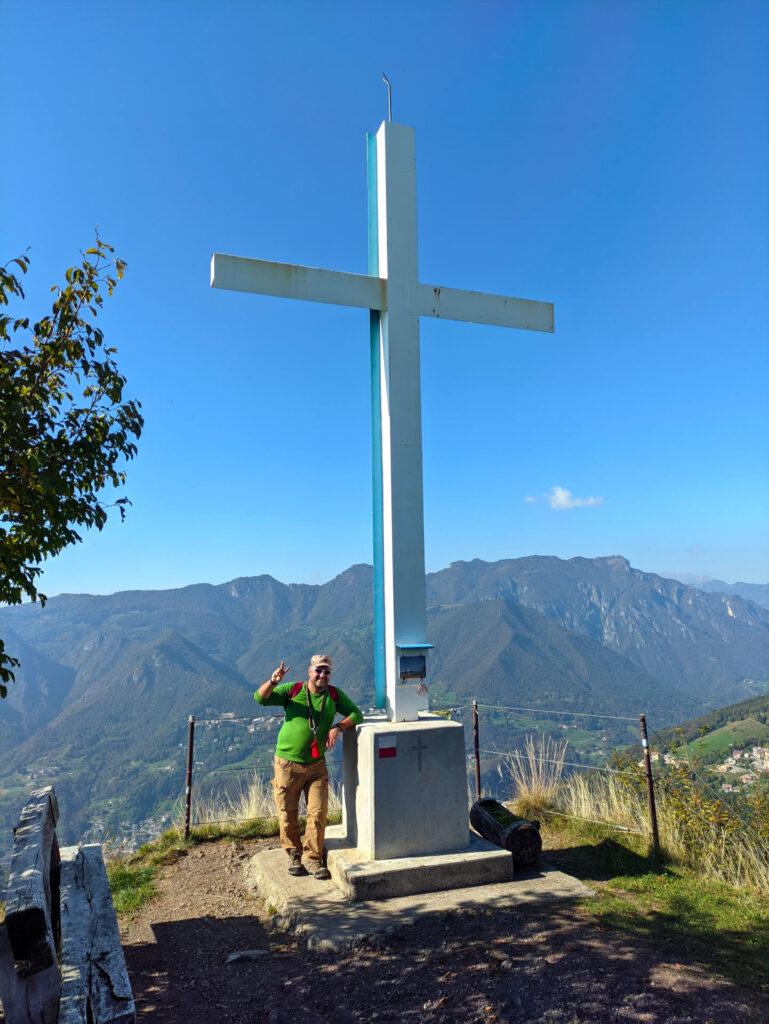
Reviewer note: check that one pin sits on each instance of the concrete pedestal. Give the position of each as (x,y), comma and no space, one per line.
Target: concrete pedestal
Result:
(405,824)
(405,788)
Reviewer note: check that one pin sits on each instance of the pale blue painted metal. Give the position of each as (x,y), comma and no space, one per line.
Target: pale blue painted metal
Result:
(376,436)
(403,518)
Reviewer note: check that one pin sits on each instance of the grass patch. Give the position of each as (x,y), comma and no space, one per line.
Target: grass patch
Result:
(132,886)
(245,815)
(132,878)
(736,734)
(675,908)
(252,828)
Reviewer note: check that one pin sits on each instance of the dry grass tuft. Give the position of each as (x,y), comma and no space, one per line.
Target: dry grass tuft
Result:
(697,829)
(254,800)
(535,772)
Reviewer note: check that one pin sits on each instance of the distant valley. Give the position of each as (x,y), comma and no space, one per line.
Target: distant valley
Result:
(107,683)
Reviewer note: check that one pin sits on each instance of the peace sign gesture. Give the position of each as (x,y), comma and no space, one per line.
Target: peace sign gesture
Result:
(280,672)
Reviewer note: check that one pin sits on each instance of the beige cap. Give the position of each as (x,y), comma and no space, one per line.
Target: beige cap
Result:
(321,659)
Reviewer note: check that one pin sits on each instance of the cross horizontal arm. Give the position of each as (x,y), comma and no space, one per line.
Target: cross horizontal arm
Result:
(288,281)
(480,308)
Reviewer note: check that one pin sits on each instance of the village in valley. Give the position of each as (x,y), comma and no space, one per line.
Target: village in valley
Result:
(739,770)
(743,768)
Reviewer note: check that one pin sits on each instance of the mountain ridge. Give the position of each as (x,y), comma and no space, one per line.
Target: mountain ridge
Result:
(758,592)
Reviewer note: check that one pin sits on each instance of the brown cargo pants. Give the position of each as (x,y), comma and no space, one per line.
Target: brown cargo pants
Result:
(291,780)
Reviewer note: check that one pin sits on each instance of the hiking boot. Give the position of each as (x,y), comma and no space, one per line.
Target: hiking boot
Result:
(296,867)
(322,873)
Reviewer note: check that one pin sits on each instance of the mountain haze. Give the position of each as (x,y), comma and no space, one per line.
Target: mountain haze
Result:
(758,592)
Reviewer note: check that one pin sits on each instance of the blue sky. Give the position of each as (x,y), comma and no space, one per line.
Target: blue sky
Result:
(610,157)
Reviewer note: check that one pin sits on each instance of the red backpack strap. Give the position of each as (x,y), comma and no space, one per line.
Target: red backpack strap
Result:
(296,689)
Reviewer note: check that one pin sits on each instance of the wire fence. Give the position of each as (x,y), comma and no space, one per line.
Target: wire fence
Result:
(553,712)
(256,772)
(558,761)
(221,794)
(599,821)
(658,779)
(235,756)
(696,775)
(218,787)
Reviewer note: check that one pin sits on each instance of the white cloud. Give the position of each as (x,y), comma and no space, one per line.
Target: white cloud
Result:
(530,499)
(559,498)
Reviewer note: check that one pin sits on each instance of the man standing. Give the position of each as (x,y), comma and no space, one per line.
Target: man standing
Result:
(300,765)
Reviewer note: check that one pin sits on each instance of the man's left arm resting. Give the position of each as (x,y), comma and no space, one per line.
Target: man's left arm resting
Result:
(352,713)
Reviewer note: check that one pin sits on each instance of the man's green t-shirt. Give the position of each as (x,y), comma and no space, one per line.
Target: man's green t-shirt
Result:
(295,736)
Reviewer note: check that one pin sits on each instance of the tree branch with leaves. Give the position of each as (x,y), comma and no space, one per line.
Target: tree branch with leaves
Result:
(66,429)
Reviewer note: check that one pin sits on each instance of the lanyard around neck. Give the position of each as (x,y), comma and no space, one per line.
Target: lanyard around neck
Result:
(310,715)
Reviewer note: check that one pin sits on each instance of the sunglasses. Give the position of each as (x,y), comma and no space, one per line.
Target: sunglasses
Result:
(322,671)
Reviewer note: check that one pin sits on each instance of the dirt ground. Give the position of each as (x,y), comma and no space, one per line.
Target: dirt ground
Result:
(546,963)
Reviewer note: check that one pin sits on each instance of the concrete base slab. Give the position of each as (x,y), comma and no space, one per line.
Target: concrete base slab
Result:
(357,878)
(328,921)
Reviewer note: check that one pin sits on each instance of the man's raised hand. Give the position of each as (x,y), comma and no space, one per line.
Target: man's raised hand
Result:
(279,673)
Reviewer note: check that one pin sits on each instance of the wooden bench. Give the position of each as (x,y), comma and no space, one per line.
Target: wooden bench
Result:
(60,952)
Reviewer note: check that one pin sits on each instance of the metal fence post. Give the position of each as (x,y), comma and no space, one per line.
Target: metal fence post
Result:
(477,748)
(188,784)
(650,788)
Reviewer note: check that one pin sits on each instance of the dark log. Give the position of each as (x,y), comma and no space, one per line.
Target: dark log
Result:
(518,835)
(31,908)
(33,1000)
(94,979)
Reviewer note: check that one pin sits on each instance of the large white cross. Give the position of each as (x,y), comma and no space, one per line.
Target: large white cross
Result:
(396,299)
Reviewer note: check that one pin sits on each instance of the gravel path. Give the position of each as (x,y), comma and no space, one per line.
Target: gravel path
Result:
(549,963)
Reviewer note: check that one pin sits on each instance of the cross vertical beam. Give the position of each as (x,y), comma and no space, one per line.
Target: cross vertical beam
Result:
(403,546)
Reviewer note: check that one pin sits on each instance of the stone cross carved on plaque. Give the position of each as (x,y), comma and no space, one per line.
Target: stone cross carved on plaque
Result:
(419,746)
(396,300)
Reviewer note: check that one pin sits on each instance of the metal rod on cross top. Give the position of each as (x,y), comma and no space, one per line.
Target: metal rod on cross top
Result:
(386,81)
(477,747)
(650,788)
(188,780)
